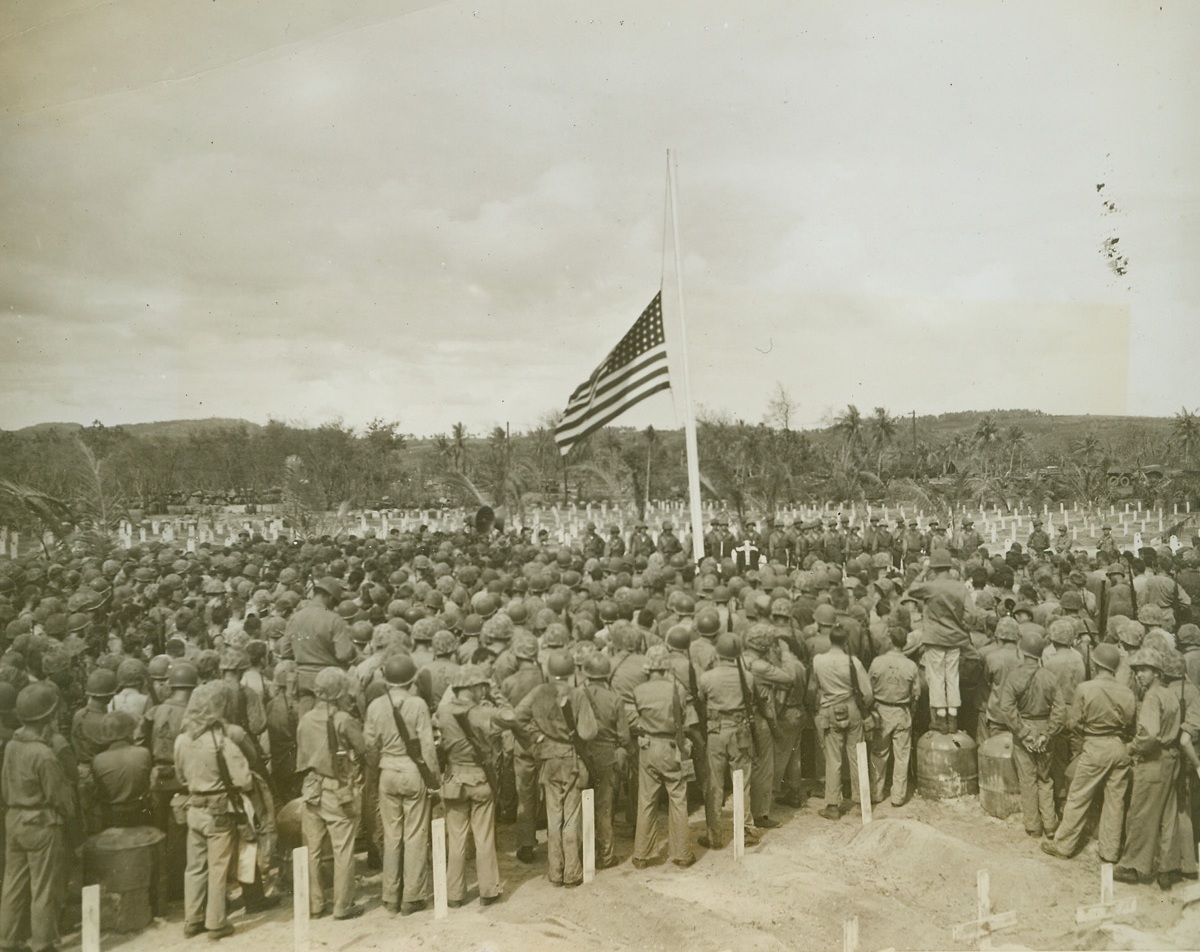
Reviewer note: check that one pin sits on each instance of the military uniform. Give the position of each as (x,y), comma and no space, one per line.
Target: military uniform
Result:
(1102,714)
(659,704)
(1026,703)
(896,685)
(839,718)
(515,688)
(163,727)
(331,789)
(468,796)
(1150,822)
(606,754)
(37,792)
(730,745)
(316,638)
(404,802)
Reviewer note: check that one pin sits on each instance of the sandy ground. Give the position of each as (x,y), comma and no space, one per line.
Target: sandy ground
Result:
(909,876)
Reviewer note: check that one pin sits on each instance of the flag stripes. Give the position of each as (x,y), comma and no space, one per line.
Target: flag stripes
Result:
(635,369)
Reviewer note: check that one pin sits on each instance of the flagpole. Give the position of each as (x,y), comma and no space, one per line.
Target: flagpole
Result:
(689,418)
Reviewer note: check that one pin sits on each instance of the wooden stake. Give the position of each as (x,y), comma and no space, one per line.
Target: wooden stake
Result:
(589,835)
(440,907)
(864,783)
(850,935)
(985,923)
(1108,907)
(739,816)
(90,929)
(300,897)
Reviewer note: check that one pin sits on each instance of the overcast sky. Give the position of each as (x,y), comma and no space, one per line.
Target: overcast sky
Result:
(434,212)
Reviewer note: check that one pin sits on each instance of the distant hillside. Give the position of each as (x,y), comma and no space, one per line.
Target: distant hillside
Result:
(166,429)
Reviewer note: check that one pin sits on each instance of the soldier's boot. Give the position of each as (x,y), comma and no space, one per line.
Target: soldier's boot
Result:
(952,722)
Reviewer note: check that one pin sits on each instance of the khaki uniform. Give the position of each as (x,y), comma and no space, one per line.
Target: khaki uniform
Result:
(316,638)
(1151,822)
(38,794)
(469,799)
(211,820)
(1102,713)
(612,735)
(895,681)
(838,716)
(1026,702)
(659,705)
(404,800)
(524,763)
(730,745)
(331,790)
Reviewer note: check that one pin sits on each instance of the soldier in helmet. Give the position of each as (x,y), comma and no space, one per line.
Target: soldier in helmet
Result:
(88,739)
(1027,703)
(771,684)
(436,677)
(283,715)
(896,684)
(839,718)
(164,725)
(607,752)
(1102,714)
(723,691)
(216,774)
(664,762)
(37,791)
(122,774)
(400,732)
(471,739)
(668,541)
(317,637)
(515,688)
(1155,752)
(554,720)
(614,546)
(1038,541)
(329,753)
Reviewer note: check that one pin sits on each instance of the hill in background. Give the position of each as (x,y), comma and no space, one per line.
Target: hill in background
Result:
(168,429)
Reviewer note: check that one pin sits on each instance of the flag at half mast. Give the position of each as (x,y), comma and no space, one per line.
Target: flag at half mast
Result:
(635,369)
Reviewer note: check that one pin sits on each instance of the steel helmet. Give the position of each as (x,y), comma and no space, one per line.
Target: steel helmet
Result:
(825,616)
(525,647)
(468,676)
(36,702)
(1032,643)
(399,669)
(444,643)
(329,684)
(561,664)
(159,667)
(597,667)
(183,674)
(707,621)
(679,637)
(101,683)
(658,658)
(1107,656)
(728,645)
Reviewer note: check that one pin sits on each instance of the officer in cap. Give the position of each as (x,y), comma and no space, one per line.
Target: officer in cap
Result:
(400,730)
(37,792)
(1026,704)
(329,753)
(664,762)
(317,637)
(471,738)
(1102,712)
(562,717)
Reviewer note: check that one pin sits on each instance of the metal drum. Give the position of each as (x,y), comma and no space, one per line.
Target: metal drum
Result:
(946,766)
(122,861)
(999,792)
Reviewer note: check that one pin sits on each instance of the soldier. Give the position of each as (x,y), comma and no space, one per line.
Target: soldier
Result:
(554,721)
(329,753)
(435,678)
(668,542)
(1188,643)
(1038,541)
(664,762)
(997,663)
(1026,705)
(839,717)
(895,683)
(679,640)
(723,692)
(770,682)
(640,544)
(937,537)
(399,733)
(593,543)
(607,753)
(37,791)
(1062,543)
(216,774)
(1102,713)
(968,541)
(317,637)
(1155,752)
(131,696)
(283,714)
(514,688)
(912,544)
(164,725)
(614,547)
(122,775)
(1107,549)
(471,739)
(88,739)
(944,635)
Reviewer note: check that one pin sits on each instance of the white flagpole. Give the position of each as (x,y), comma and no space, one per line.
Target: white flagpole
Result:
(689,418)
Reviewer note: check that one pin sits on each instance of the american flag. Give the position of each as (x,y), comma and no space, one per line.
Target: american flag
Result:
(636,368)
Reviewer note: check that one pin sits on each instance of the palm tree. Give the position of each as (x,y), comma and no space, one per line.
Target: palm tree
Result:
(1016,438)
(1186,429)
(987,436)
(458,433)
(883,431)
(850,425)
